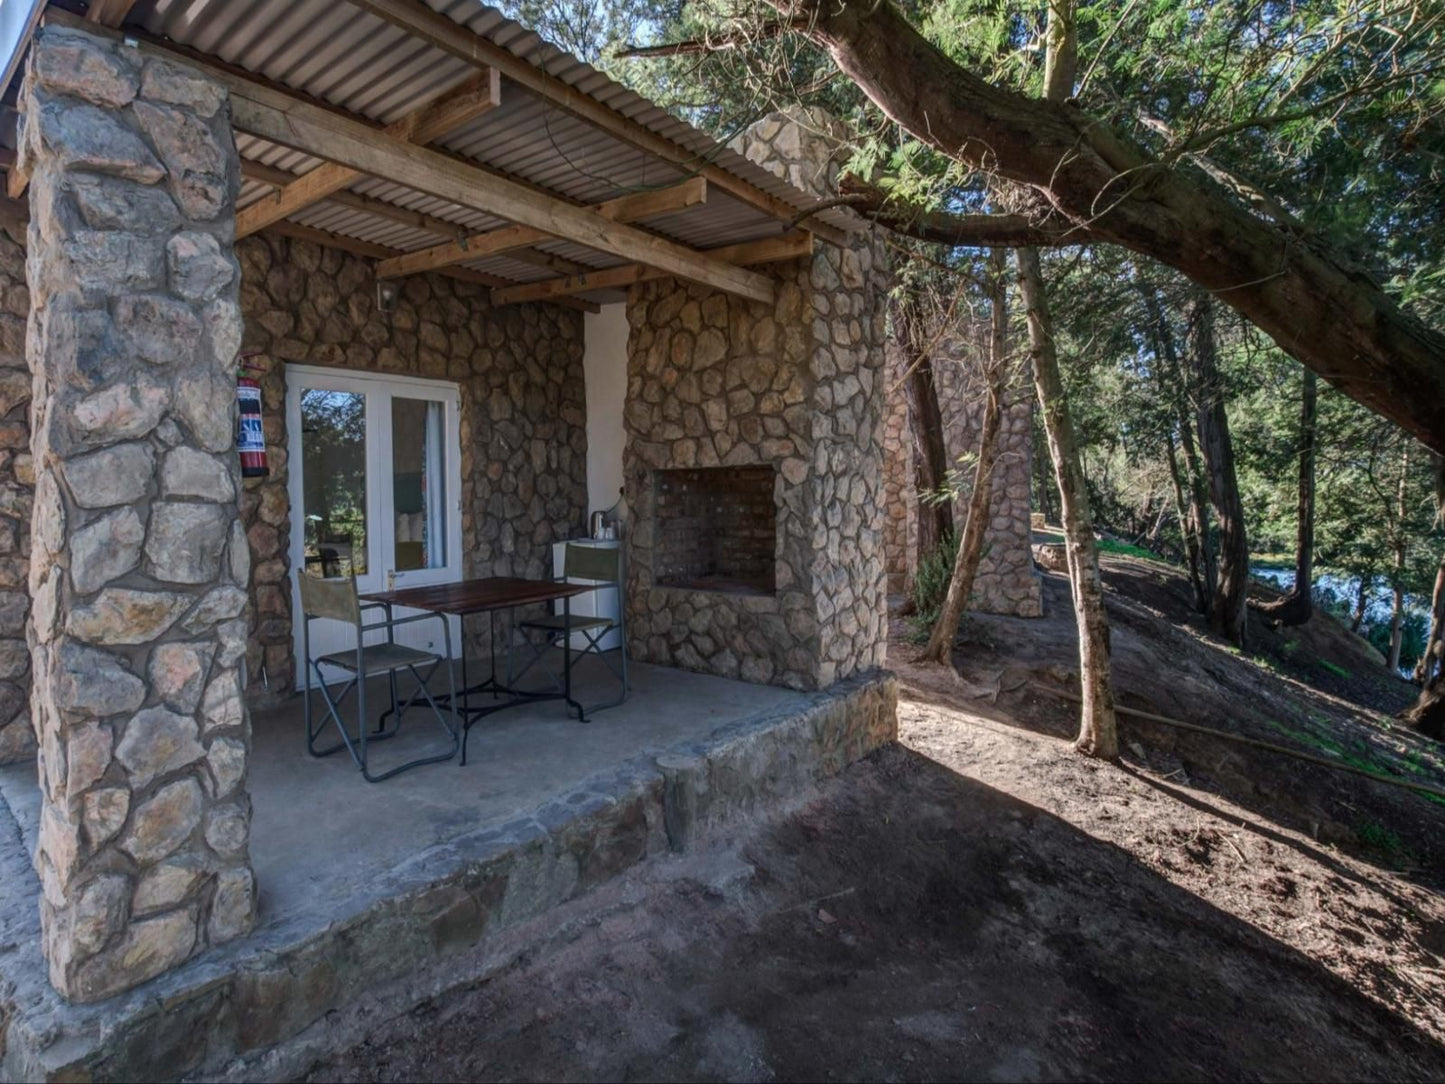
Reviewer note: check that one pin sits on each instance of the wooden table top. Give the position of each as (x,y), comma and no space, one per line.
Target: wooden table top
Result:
(478,596)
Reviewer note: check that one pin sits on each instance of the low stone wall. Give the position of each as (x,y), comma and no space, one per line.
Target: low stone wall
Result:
(277,1002)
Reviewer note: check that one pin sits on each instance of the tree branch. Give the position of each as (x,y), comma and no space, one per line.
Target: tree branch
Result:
(942,228)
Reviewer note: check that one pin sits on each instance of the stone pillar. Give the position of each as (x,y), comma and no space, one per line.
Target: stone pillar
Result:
(138,559)
(717,381)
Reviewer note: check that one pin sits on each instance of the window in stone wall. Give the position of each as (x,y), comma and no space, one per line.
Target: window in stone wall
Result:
(715,529)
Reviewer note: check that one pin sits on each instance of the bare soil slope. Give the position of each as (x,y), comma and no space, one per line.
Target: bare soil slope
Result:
(982,903)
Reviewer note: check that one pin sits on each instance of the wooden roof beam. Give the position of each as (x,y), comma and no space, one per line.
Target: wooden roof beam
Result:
(628,208)
(371,251)
(451,37)
(283,117)
(447,112)
(789,246)
(109,13)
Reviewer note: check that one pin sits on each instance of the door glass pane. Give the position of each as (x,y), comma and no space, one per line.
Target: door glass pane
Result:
(418,485)
(333,474)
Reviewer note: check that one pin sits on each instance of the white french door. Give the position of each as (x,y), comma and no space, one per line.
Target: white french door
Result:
(375,492)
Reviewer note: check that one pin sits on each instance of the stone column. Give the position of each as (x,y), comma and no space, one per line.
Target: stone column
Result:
(138,559)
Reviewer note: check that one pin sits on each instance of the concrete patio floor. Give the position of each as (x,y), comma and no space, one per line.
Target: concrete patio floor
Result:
(392,891)
(323,838)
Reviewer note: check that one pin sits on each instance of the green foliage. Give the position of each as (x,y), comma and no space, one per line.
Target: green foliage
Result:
(1338,671)
(1383,840)
(930,585)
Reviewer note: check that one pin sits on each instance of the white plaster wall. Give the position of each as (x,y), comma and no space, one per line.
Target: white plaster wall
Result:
(604,364)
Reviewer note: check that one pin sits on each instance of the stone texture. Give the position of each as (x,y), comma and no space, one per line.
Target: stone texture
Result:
(96,682)
(17,484)
(184,541)
(158,742)
(715,381)
(177,672)
(116,475)
(234,908)
(121,615)
(165,886)
(188,472)
(134,323)
(105,549)
(1007,582)
(523,415)
(160,825)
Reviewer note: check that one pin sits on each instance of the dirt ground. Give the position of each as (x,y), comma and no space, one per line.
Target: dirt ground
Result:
(979,902)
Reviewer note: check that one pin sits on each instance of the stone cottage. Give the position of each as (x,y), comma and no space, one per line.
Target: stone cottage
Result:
(466,338)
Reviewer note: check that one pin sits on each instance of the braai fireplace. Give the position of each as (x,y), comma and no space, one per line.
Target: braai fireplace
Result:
(716,529)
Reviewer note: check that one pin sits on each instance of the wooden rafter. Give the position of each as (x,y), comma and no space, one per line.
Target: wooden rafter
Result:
(451,37)
(285,120)
(447,112)
(281,117)
(109,13)
(280,178)
(769,250)
(372,251)
(628,208)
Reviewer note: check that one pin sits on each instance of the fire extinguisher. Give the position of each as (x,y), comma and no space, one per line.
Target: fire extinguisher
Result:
(250,438)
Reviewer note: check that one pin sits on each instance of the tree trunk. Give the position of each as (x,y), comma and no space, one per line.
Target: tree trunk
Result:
(1045,487)
(1228,611)
(1430,658)
(1296,607)
(925,421)
(1318,306)
(1187,529)
(970,547)
(1362,602)
(1397,579)
(1098,728)
(1397,625)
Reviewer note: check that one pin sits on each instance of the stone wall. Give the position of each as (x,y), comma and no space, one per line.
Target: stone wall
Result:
(900,519)
(523,415)
(717,380)
(138,560)
(17,486)
(1007,582)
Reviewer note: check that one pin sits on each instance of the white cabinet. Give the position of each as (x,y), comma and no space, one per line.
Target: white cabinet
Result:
(602,603)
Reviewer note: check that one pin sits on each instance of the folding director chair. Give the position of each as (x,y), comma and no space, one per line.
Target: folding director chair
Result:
(600,563)
(337,599)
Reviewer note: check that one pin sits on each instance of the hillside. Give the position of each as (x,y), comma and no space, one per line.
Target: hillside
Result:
(1316,688)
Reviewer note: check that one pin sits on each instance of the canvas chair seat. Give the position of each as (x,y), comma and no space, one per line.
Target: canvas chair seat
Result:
(380,658)
(575,622)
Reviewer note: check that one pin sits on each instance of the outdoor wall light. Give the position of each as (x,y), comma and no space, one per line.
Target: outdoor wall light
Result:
(386,295)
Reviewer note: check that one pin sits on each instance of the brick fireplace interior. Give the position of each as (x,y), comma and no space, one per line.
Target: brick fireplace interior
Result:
(716,529)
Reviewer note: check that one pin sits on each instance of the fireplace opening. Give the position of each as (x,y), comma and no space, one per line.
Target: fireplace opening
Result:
(716,529)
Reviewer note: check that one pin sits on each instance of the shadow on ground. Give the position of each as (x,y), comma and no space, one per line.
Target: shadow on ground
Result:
(911,923)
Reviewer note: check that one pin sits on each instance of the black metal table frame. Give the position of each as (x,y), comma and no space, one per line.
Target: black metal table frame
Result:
(468,714)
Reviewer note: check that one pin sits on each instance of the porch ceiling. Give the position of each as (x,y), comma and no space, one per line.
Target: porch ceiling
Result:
(562,129)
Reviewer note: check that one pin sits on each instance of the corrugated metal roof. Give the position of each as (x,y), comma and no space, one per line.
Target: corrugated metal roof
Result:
(339,53)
